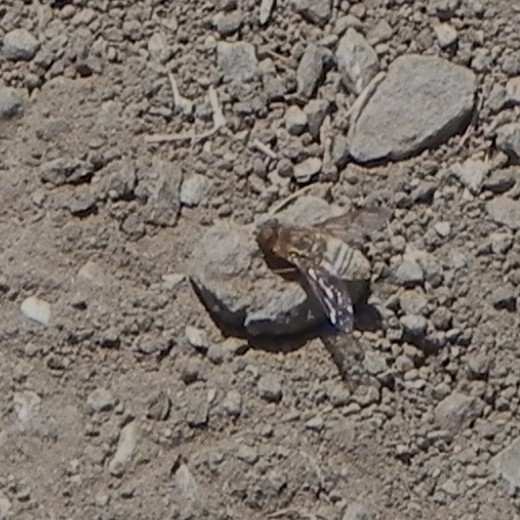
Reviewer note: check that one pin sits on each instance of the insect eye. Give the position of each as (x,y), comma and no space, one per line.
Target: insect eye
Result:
(265,235)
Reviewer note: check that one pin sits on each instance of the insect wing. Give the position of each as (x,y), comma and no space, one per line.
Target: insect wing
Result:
(354,226)
(333,295)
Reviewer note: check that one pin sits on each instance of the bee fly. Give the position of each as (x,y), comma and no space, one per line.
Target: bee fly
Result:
(321,258)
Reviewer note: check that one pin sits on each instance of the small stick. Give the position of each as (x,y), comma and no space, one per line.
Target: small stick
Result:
(355,110)
(285,202)
(219,121)
(218,117)
(184,104)
(261,147)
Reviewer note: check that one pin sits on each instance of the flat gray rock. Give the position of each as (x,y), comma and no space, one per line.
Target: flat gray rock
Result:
(237,61)
(240,289)
(506,464)
(504,210)
(420,104)
(457,411)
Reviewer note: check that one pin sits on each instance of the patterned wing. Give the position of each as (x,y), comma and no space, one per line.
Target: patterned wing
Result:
(333,295)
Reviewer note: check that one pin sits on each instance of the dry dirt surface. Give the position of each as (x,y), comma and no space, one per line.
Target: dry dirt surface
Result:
(129,132)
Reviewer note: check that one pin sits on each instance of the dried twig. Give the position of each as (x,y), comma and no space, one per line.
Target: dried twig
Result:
(285,202)
(183,103)
(360,102)
(261,147)
(219,121)
(470,130)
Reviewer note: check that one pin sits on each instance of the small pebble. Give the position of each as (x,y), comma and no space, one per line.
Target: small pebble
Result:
(20,44)
(306,170)
(270,388)
(101,400)
(36,310)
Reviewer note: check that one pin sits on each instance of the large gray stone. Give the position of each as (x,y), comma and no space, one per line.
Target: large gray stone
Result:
(20,44)
(506,464)
(420,104)
(505,211)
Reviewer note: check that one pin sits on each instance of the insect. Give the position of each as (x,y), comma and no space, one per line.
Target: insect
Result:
(321,258)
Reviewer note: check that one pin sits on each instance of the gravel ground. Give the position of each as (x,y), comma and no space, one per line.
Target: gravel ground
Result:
(151,365)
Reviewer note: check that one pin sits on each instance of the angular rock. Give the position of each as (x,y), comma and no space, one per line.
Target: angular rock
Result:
(266,8)
(443,229)
(420,104)
(409,273)
(316,110)
(413,302)
(36,310)
(306,170)
(26,406)
(101,400)
(504,298)
(186,485)
(228,23)
(310,70)
(379,33)
(501,242)
(66,171)
(457,411)
(198,410)
(444,9)
(83,205)
(508,140)
(314,11)
(270,388)
(160,187)
(121,180)
(502,180)
(197,338)
(472,173)
(357,61)
(241,291)
(126,446)
(10,103)
(158,48)
(446,34)
(194,190)
(505,211)
(158,406)
(506,464)
(20,44)
(232,403)
(237,61)
(512,93)
(295,120)
(415,326)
